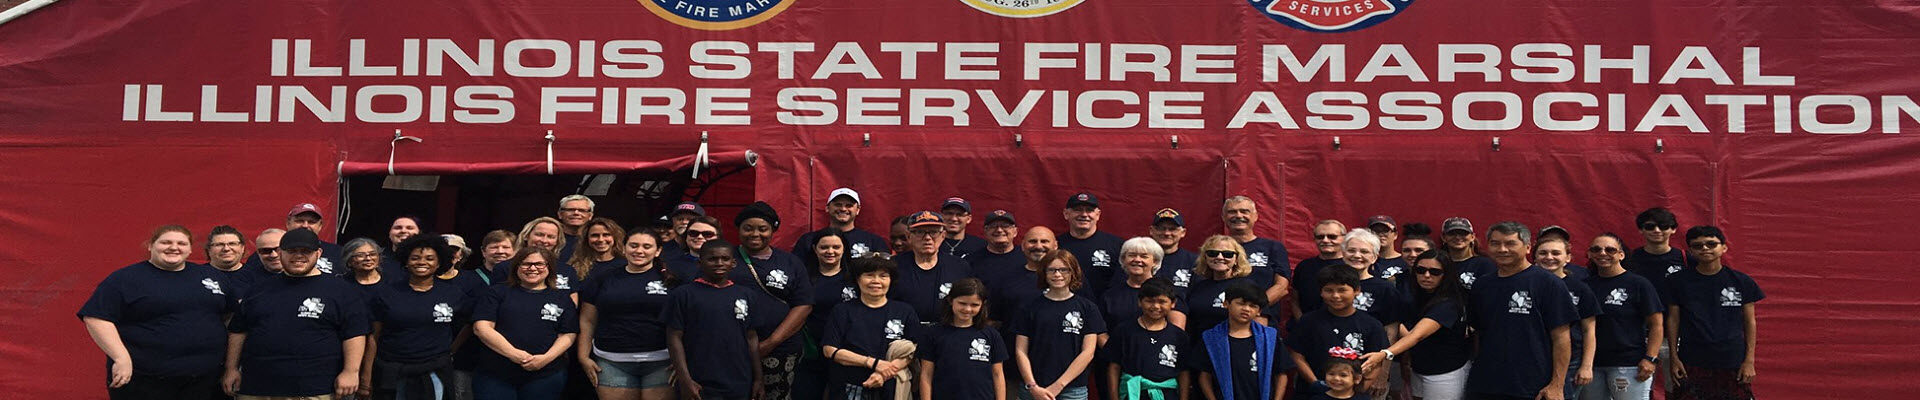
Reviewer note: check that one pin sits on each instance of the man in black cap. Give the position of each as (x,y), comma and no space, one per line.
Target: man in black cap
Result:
(306,215)
(1168,229)
(925,274)
(1001,264)
(843,206)
(275,329)
(1098,252)
(1267,256)
(957,214)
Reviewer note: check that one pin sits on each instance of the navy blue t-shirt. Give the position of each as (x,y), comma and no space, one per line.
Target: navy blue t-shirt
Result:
(1306,281)
(1712,316)
(1245,364)
(467,280)
(242,281)
(782,284)
(416,326)
(858,243)
(1317,332)
(1268,258)
(1447,349)
(294,328)
(963,360)
(1584,307)
(1054,330)
(563,275)
(1122,302)
(1577,272)
(1474,268)
(1206,303)
(1514,318)
(170,321)
(714,323)
(531,321)
(615,263)
(1380,298)
(1155,355)
(828,292)
(1391,268)
(1098,254)
(923,289)
(1621,329)
(1009,283)
(966,245)
(866,331)
(685,265)
(1656,268)
(1178,267)
(627,307)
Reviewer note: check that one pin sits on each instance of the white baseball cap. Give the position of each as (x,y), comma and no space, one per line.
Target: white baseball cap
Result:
(844,192)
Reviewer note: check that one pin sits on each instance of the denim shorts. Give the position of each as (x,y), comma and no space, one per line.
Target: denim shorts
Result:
(634,375)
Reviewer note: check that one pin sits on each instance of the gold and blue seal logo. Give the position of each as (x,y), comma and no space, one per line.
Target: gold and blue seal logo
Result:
(716,15)
(1022,8)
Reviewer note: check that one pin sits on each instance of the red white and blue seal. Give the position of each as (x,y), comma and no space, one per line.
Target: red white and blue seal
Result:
(1330,16)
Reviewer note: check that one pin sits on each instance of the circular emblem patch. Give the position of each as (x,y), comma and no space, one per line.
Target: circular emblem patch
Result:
(1022,8)
(716,15)
(1330,15)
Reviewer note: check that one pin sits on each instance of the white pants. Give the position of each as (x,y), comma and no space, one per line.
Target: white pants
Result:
(1447,386)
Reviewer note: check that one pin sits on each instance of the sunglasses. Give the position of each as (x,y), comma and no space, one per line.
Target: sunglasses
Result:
(1603,250)
(1652,226)
(267,250)
(1704,245)
(1326,236)
(1221,253)
(1429,271)
(1414,250)
(702,234)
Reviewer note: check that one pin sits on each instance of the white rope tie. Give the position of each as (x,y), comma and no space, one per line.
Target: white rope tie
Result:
(394,146)
(549,152)
(700,159)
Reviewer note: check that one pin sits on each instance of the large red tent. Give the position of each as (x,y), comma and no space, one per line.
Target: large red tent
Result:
(1788,123)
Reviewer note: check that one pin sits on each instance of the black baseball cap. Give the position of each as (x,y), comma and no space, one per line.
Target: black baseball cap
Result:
(1083,198)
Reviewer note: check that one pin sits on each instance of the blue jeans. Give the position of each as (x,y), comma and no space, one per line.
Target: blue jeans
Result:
(1573,391)
(488,387)
(1617,383)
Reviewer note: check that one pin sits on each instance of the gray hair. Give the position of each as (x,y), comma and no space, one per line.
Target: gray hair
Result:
(269,231)
(1334,222)
(1146,245)
(573,197)
(357,242)
(1236,199)
(1511,228)
(1363,235)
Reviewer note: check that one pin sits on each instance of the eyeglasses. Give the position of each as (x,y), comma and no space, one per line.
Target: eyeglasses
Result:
(1326,237)
(362,255)
(1429,271)
(534,264)
(267,250)
(1709,245)
(1381,230)
(702,234)
(575,210)
(1654,225)
(1000,226)
(1603,250)
(924,233)
(1062,271)
(1221,253)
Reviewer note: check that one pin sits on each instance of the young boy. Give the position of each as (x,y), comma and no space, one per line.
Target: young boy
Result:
(1711,316)
(1236,357)
(723,343)
(1337,326)
(1146,351)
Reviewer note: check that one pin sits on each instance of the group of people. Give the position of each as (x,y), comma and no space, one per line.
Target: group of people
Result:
(574,306)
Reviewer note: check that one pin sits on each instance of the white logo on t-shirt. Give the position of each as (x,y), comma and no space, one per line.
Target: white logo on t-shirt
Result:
(1730,297)
(895,329)
(1182,277)
(1101,259)
(1169,356)
(1253,362)
(325,265)
(1466,280)
(1674,268)
(740,309)
(1391,271)
(1363,301)
(1575,297)
(550,312)
(944,288)
(560,282)
(312,307)
(1352,340)
(211,285)
(1617,297)
(1257,259)
(442,313)
(859,250)
(657,288)
(1072,323)
(1521,303)
(978,350)
(847,294)
(777,279)
(1220,300)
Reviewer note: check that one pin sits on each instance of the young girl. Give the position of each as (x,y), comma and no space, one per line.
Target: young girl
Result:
(622,343)
(1146,350)
(961,358)
(1343,380)
(1057,333)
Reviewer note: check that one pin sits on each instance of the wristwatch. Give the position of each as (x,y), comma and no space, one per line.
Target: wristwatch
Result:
(1652,359)
(1389,353)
